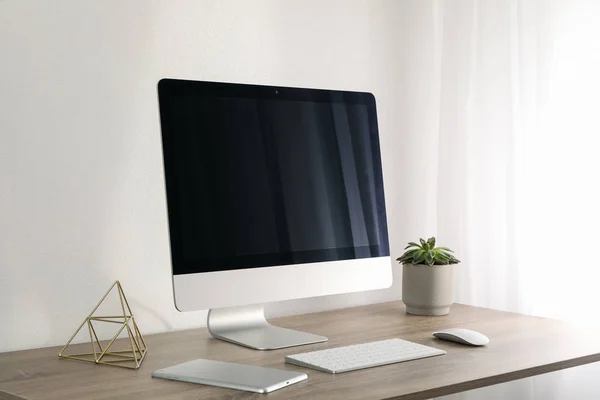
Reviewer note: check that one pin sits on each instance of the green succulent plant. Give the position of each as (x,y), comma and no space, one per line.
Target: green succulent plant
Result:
(427,254)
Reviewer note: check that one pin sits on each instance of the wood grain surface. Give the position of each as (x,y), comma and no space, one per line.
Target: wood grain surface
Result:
(520,346)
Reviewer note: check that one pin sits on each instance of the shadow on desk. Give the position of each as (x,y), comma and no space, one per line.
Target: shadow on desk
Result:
(8,396)
(580,383)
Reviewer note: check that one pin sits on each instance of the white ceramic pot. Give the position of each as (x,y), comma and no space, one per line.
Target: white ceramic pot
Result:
(427,290)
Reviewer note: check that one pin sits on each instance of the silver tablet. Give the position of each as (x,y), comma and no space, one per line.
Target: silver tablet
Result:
(229,375)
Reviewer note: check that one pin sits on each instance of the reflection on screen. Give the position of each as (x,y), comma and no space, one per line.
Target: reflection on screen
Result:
(263,182)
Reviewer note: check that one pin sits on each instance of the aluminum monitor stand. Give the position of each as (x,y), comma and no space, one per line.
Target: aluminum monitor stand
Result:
(248,327)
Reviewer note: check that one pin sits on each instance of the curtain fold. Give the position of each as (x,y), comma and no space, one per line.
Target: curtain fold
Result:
(516,89)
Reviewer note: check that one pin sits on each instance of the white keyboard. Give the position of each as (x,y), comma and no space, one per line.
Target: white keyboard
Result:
(366,355)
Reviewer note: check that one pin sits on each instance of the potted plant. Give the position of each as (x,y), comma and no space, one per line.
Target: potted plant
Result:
(427,278)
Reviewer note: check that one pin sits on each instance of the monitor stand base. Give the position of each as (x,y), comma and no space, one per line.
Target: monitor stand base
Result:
(248,327)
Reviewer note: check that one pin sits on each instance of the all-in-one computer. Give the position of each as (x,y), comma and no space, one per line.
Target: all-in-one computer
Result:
(273,193)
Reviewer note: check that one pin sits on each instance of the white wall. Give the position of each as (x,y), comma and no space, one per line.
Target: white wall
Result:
(82,198)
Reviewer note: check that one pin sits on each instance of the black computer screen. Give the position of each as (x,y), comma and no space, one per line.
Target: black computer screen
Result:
(260,176)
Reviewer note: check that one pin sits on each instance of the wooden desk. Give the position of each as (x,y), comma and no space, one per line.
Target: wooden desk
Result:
(520,346)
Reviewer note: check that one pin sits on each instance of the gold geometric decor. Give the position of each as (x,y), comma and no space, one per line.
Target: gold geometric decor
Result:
(132,357)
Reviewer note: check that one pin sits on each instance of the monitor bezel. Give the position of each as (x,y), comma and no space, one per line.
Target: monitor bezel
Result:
(168,87)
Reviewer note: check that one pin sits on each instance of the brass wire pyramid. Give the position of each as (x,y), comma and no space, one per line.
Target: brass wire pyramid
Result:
(132,357)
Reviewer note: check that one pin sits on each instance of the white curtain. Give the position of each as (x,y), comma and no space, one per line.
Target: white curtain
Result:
(514,99)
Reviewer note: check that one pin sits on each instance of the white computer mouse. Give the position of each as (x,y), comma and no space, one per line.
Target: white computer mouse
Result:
(462,336)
